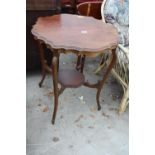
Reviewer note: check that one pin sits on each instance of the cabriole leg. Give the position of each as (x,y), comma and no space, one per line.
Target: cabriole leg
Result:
(55,85)
(100,85)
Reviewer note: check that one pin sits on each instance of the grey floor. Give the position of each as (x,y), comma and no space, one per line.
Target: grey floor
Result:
(79,129)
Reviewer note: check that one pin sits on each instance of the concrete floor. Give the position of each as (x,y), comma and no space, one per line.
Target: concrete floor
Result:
(79,129)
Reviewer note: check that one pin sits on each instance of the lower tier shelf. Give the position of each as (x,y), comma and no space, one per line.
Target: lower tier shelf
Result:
(70,78)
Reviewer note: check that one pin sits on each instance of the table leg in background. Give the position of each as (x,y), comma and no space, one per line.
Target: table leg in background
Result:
(44,65)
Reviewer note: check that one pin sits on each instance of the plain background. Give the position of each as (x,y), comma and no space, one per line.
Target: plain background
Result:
(13,77)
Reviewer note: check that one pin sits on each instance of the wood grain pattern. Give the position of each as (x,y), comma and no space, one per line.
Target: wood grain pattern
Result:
(71,78)
(85,35)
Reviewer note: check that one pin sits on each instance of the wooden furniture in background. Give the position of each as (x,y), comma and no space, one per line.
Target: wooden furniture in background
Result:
(54,32)
(92,8)
(72,4)
(40,4)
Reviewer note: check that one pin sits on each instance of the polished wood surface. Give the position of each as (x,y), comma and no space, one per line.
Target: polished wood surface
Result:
(85,35)
(70,78)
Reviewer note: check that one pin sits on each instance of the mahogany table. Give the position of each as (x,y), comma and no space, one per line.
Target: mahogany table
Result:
(83,36)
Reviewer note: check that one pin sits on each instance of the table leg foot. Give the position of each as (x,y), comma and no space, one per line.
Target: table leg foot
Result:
(53,121)
(42,80)
(40,84)
(54,113)
(97,99)
(99,108)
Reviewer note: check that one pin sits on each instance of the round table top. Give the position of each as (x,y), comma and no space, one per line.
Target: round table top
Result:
(74,32)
